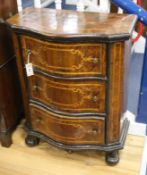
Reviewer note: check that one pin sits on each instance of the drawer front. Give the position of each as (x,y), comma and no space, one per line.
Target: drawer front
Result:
(66,59)
(68,96)
(66,130)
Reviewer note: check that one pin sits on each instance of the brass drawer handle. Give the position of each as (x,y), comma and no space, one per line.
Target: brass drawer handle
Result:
(34,87)
(95,60)
(38,120)
(94,98)
(93,131)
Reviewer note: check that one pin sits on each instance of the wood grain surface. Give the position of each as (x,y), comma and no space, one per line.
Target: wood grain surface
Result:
(67,23)
(70,96)
(116,93)
(48,160)
(6,49)
(10,106)
(10,97)
(66,59)
(67,130)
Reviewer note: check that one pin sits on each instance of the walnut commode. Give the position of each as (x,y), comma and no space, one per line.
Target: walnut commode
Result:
(75,88)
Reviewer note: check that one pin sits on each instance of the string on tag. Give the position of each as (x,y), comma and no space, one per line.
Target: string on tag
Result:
(29,55)
(29,66)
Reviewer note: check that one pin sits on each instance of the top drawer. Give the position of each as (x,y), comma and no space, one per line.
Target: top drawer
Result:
(84,59)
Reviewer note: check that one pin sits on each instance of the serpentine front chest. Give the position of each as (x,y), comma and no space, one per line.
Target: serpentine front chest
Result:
(73,68)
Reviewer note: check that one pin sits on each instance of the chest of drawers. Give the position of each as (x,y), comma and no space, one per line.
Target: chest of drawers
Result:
(76,97)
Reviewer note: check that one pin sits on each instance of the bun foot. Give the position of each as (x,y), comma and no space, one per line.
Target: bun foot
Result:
(112,158)
(31,141)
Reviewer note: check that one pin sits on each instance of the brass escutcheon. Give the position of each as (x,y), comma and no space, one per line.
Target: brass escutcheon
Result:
(93,131)
(34,88)
(95,60)
(94,99)
(38,120)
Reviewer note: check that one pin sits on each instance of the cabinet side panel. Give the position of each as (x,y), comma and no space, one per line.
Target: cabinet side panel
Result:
(116,67)
(20,68)
(10,98)
(6,49)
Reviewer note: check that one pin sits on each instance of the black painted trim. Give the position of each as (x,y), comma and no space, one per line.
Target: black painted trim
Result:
(108,59)
(71,38)
(68,78)
(107,148)
(70,115)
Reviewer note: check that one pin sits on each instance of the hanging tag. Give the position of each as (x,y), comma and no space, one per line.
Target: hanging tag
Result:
(29,66)
(29,69)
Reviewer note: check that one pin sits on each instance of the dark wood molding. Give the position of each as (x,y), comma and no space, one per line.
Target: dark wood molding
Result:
(59,77)
(107,148)
(72,39)
(85,31)
(82,115)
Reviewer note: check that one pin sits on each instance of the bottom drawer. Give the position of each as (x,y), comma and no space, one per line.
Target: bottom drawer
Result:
(66,129)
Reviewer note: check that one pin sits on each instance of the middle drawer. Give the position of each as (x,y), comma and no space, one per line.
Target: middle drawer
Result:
(76,96)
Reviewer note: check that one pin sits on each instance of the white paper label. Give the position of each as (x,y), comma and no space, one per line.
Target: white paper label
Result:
(29,69)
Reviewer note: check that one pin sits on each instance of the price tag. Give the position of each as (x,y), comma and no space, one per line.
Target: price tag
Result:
(29,69)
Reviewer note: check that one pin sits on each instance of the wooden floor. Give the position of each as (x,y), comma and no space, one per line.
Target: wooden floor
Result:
(47,160)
